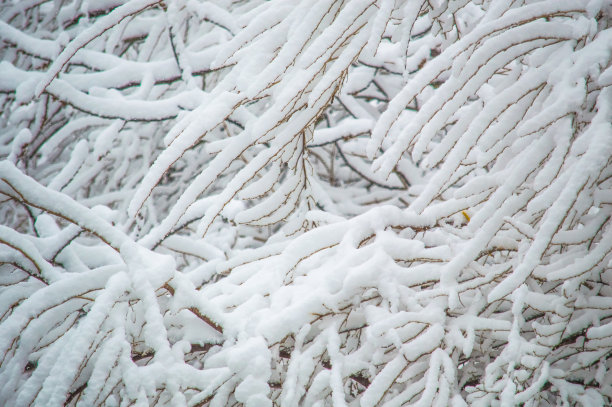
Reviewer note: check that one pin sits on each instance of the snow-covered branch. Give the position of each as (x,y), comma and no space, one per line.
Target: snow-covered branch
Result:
(298,202)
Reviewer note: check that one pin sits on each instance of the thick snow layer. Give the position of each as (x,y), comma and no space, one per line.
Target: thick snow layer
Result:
(305,203)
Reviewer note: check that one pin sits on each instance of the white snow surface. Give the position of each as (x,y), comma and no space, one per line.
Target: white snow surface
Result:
(306,203)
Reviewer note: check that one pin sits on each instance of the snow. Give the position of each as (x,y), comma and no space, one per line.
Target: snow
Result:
(88,35)
(293,202)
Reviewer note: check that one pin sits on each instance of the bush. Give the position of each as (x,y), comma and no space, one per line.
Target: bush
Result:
(358,202)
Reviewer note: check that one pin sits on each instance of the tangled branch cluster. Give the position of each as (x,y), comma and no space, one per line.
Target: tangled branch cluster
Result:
(355,202)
